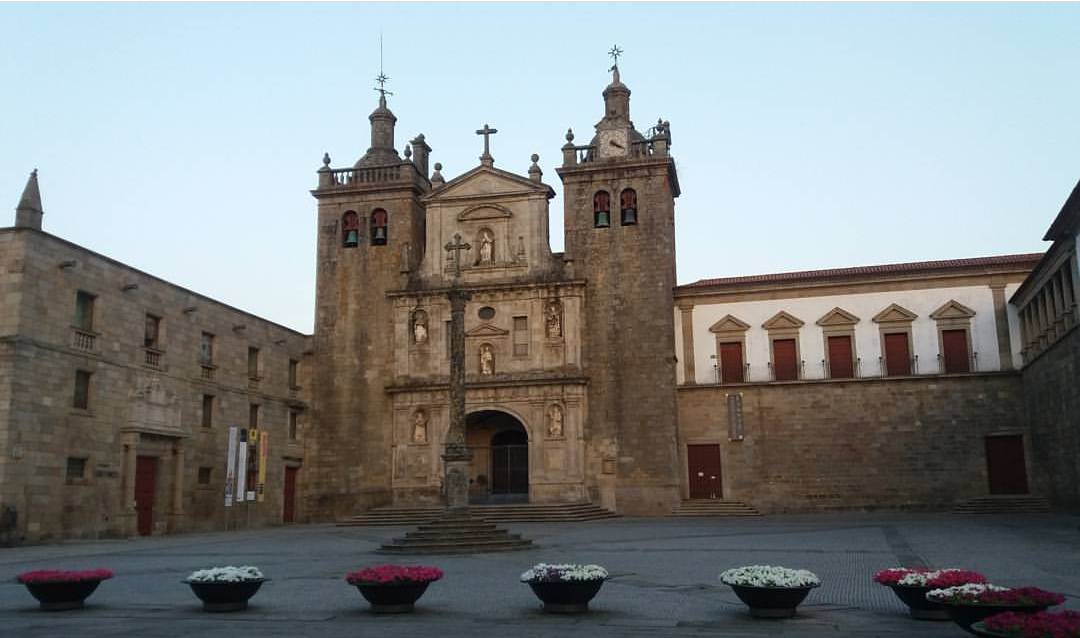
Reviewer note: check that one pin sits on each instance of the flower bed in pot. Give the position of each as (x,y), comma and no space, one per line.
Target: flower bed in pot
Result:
(968,604)
(226,588)
(393,589)
(566,588)
(912,584)
(1041,624)
(56,590)
(770,591)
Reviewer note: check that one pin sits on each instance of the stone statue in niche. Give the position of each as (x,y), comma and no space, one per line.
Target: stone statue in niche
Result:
(419,433)
(553,319)
(420,327)
(487,248)
(555,422)
(487,359)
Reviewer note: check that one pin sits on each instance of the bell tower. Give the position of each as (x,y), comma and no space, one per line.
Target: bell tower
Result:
(620,192)
(371,238)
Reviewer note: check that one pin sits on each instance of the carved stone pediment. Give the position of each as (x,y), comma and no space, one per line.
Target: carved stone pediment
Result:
(838,317)
(487,181)
(155,410)
(895,313)
(487,330)
(483,212)
(953,310)
(783,321)
(729,323)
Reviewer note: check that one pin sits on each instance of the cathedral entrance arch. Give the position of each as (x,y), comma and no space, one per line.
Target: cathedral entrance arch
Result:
(500,463)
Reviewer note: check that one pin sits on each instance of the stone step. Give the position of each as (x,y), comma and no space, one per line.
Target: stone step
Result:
(714,507)
(1020,504)
(494,534)
(465,547)
(523,512)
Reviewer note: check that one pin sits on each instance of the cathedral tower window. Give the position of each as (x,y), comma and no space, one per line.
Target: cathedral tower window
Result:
(378,227)
(350,229)
(601,209)
(628,207)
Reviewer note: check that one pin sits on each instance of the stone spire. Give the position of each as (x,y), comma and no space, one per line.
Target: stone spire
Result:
(28,213)
(616,95)
(381,152)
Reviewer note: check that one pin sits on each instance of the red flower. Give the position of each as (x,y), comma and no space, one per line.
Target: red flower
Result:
(1064,624)
(59,576)
(1032,596)
(892,576)
(393,574)
(951,578)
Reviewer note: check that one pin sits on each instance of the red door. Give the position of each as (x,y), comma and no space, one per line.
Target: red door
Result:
(731,363)
(840,364)
(288,514)
(785,367)
(145,482)
(704,464)
(897,355)
(954,343)
(1005,465)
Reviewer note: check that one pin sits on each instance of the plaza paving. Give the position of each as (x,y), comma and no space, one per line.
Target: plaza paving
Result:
(664,577)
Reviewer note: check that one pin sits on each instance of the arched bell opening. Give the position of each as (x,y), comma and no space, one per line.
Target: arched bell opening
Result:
(500,463)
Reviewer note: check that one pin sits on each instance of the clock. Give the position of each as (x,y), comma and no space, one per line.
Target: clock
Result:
(612,143)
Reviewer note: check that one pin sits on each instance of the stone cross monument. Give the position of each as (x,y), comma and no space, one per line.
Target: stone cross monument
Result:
(456,455)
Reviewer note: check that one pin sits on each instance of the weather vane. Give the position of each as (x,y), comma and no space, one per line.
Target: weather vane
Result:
(614,53)
(381,79)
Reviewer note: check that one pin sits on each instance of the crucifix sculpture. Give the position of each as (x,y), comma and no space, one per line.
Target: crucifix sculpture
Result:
(487,132)
(456,455)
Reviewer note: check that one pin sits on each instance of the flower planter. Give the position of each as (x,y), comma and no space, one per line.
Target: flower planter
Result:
(910,584)
(225,596)
(60,596)
(967,615)
(570,597)
(772,602)
(392,598)
(979,629)
(918,606)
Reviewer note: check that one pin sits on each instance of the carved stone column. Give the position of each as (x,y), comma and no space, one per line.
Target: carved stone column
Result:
(176,502)
(686,312)
(456,456)
(127,507)
(1001,321)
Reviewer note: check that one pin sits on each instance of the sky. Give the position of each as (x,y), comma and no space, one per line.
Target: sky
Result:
(183,139)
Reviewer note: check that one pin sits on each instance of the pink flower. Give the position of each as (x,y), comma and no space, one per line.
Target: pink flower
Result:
(59,576)
(922,577)
(1043,624)
(393,574)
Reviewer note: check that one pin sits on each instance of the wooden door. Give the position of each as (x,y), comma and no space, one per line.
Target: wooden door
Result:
(510,463)
(897,354)
(955,346)
(731,362)
(703,462)
(288,510)
(145,484)
(1005,465)
(785,364)
(841,365)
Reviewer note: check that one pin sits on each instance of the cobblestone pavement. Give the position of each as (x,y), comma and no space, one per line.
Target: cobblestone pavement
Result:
(664,578)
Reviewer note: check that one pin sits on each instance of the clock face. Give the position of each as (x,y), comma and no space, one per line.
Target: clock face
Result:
(612,143)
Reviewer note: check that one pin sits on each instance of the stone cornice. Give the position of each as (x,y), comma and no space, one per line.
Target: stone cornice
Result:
(497,381)
(494,287)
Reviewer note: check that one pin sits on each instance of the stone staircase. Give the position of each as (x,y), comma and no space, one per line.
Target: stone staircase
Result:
(714,507)
(1004,504)
(457,533)
(508,513)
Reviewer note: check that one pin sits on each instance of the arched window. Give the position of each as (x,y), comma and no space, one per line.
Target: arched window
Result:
(601,203)
(628,207)
(378,227)
(350,229)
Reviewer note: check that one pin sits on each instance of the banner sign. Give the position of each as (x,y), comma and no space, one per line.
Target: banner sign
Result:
(261,482)
(230,466)
(241,462)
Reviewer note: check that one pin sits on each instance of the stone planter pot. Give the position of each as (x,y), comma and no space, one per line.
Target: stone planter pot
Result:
(918,606)
(772,602)
(59,596)
(980,629)
(566,597)
(225,596)
(392,598)
(967,615)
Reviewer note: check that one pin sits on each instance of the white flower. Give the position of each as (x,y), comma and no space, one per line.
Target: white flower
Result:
(228,574)
(919,579)
(969,590)
(545,573)
(769,576)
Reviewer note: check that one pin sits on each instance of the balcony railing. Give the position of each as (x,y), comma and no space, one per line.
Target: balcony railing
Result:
(208,371)
(742,377)
(152,358)
(337,177)
(83,340)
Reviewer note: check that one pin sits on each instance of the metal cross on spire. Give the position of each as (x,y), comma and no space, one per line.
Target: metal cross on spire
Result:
(487,131)
(381,79)
(614,54)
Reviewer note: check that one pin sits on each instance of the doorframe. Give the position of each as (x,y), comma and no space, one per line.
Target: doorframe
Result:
(684,454)
(1025,445)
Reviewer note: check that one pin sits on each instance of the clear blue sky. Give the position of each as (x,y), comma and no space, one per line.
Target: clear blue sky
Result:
(183,138)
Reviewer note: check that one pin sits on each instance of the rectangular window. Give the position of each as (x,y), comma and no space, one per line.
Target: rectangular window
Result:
(84,311)
(955,346)
(731,362)
(292,425)
(253,416)
(81,399)
(153,329)
(253,363)
(785,360)
(208,411)
(293,367)
(204,475)
(897,354)
(841,365)
(206,349)
(76,468)
(521,336)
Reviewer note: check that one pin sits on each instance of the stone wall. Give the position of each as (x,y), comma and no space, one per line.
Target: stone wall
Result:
(914,442)
(1052,402)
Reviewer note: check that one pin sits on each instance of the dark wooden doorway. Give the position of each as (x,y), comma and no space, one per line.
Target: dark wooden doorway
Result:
(510,465)
(841,365)
(731,362)
(785,360)
(288,509)
(897,354)
(1005,465)
(145,485)
(954,343)
(703,462)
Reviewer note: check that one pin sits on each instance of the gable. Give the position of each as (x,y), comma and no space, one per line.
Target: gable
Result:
(838,317)
(484,211)
(729,324)
(486,181)
(894,313)
(487,330)
(953,310)
(783,321)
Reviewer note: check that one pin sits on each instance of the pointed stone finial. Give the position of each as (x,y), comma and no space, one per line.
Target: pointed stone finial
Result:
(437,177)
(534,171)
(29,211)
(408,153)
(325,161)
(570,136)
